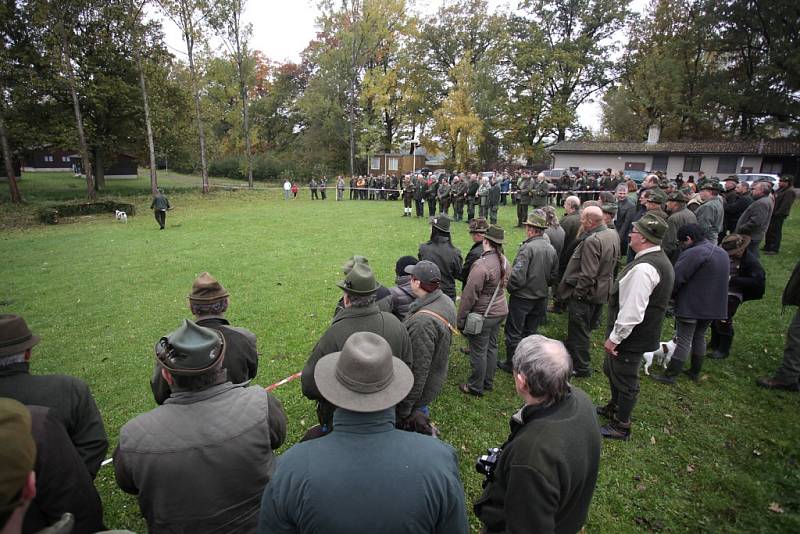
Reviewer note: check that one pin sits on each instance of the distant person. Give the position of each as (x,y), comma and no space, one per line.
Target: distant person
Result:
(340,189)
(312,186)
(545,476)
(287,188)
(323,187)
(199,462)
(440,250)
(208,302)
(69,397)
(366,476)
(160,205)
(783,206)
(295,190)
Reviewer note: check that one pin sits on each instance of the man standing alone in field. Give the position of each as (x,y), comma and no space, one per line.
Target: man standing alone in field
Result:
(160,205)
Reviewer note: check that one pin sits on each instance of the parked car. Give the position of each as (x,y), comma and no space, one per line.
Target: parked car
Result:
(636,176)
(752,178)
(552,175)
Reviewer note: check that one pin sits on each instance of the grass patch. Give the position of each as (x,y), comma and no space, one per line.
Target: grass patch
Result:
(709,457)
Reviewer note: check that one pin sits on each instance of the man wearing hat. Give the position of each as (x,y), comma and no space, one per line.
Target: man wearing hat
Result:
(735,208)
(366,476)
(199,462)
(679,216)
(382,295)
(440,250)
(655,199)
(524,187)
(17,458)
(443,195)
(402,296)
(69,397)
(160,205)
(755,219)
(783,206)
(477,228)
(534,270)
(458,193)
(430,323)
(208,302)
(711,213)
(729,189)
(624,217)
(586,285)
(639,300)
(360,314)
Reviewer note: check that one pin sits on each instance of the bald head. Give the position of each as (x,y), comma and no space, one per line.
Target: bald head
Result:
(543,367)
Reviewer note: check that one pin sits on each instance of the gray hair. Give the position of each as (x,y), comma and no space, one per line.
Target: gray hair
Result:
(5,361)
(763,187)
(361,301)
(572,201)
(546,366)
(622,187)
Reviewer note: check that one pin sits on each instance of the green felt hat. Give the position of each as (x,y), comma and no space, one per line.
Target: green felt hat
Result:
(190,350)
(652,227)
(536,220)
(359,281)
(495,234)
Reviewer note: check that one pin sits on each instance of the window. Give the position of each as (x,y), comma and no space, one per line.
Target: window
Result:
(692,163)
(659,163)
(376,163)
(394,164)
(65,159)
(727,164)
(48,158)
(772,167)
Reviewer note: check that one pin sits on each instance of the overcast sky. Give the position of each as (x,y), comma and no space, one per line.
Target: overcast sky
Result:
(282,30)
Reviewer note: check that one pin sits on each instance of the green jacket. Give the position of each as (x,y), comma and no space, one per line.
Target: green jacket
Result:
(676,221)
(346,323)
(535,268)
(546,474)
(160,202)
(524,191)
(430,343)
(589,274)
(539,193)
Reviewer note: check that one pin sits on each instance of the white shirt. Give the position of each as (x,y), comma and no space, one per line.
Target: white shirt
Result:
(635,289)
(287,185)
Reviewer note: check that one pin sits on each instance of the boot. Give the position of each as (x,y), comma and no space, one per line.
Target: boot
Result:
(616,430)
(714,341)
(697,365)
(672,371)
(505,366)
(607,411)
(723,348)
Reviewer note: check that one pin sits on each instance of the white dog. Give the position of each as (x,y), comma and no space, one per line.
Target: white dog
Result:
(121,216)
(661,356)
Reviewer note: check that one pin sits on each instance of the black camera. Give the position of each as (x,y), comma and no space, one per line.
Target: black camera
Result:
(486,463)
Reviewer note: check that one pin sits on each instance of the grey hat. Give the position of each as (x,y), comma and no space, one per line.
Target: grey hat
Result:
(348,265)
(609,207)
(652,227)
(364,376)
(536,220)
(15,336)
(657,196)
(425,271)
(190,350)
(360,280)
(495,234)
(442,222)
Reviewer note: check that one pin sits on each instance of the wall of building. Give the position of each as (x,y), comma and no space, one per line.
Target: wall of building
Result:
(675,163)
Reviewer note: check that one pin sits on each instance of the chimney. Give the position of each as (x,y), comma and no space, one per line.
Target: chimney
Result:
(653,133)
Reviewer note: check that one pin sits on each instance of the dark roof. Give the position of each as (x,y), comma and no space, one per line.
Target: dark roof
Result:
(766,147)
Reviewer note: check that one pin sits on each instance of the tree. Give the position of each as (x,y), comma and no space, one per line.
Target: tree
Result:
(456,121)
(190,17)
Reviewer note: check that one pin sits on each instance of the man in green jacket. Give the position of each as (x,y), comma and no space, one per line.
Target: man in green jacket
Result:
(360,314)
(540,190)
(160,205)
(544,478)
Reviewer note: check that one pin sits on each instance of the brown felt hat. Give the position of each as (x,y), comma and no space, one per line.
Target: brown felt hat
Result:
(191,350)
(478,225)
(677,196)
(205,288)
(364,376)
(735,244)
(15,336)
(17,454)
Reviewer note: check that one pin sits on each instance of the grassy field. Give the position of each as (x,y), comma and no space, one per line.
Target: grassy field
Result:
(718,456)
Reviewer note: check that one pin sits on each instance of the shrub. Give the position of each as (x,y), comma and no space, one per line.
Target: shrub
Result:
(51,214)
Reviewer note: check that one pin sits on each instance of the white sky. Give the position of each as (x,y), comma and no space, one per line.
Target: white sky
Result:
(283,28)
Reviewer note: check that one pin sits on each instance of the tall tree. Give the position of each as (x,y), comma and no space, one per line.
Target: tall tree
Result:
(190,17)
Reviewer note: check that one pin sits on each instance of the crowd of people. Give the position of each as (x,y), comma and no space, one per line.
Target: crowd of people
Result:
(203,460)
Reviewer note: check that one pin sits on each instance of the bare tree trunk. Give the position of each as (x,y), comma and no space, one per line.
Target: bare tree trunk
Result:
(84,147)
(13,188)
(245,121)
(99,169)
(149,127)
(200,131)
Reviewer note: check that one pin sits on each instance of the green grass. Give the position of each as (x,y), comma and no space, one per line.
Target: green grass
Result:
(711,456)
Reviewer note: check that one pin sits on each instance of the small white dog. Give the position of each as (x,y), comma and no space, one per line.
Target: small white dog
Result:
(661,356)
(121,216)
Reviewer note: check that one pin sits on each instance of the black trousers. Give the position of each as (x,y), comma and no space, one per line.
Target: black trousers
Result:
(420,205)
(522,213)
(444,205)
(161,217)
(458,209)
(623,378)
(583,318)
(471,209)
(772,241)
(432,207)
(523,320)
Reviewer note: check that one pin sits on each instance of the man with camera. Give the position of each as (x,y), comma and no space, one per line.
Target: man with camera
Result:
(543,477)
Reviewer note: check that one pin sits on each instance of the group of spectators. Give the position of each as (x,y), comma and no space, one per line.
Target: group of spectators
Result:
(203,460)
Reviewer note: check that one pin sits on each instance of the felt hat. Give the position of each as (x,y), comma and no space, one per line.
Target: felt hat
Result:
(425,271)
(710,183)
(15,336)
(657,195)
(731,179)
(364,376)
(441,222)
(18,453)
(786,178)
(495,234)
(735,244)
(677,196)
(359,281)
(536,220)
(652,227)
(609,207)
(205,288)
(348,265)
(478,225)
(402,263)
(190,350)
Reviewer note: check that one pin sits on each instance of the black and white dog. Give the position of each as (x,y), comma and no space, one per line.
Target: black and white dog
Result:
(121,216)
